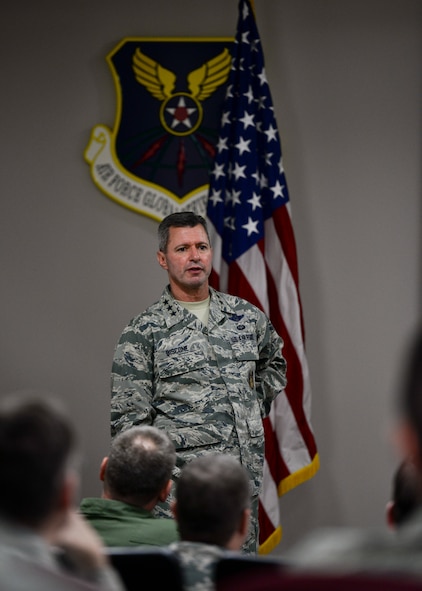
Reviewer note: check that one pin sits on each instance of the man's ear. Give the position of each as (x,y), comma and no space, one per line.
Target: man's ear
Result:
(164,493)
(241,533)
(68,491)
(162,261)
(407,441)
(389,510)
(244,522)
(103,467)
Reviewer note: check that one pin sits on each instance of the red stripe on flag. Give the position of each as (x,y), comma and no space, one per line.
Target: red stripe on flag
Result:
(240,286)
(284,229)
(266,527)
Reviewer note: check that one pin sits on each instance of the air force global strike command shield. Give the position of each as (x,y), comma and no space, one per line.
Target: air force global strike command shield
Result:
(170,92)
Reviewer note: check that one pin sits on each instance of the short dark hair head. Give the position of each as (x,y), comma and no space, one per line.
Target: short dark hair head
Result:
(36,444)
(140,464)
(179,219)
(212,493)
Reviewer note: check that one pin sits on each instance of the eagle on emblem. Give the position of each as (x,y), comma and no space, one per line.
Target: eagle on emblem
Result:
(181,112)
(202,82)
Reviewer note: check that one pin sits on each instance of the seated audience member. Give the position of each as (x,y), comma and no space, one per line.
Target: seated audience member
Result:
(212,509)
(406,494)
(45,544)
(378,550)
(136,476)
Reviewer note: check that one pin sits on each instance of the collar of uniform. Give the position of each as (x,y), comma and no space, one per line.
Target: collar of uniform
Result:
(220,307)
(175,313)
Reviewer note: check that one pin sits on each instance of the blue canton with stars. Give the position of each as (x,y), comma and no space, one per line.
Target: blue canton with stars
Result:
(247,182)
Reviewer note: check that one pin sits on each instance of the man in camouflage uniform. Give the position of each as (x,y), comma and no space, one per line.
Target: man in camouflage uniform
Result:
(200,364)
(212,511)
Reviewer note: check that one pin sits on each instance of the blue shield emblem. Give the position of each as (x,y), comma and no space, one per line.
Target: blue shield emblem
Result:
(170,93)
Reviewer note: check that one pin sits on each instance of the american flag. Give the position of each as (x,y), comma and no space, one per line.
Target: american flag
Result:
(255,258)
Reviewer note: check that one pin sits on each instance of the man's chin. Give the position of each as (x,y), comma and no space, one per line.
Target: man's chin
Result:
(197,282)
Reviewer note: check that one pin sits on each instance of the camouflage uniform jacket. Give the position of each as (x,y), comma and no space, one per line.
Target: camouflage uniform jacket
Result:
(209,386)
(197,562)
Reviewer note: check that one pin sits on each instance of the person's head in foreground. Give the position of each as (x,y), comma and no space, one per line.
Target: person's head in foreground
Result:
(212,503)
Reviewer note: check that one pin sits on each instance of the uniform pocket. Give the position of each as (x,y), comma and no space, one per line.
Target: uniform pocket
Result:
(255,426)
(244,347)
(195,437)
(179,360)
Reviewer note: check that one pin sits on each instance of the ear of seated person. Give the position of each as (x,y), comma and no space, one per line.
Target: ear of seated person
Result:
(136,476)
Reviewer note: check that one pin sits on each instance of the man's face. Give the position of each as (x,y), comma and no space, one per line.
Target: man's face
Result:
(188,260)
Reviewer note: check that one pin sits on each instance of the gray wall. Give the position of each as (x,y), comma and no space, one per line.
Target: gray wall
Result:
(346,83)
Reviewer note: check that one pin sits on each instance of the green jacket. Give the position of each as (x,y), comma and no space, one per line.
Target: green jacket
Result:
(120,524)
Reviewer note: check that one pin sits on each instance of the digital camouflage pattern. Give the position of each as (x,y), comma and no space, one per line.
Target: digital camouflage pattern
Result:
(208,386)
(197,561)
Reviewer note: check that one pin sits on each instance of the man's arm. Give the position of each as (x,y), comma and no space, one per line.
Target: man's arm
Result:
(81,553)
(132,379)
(271,367)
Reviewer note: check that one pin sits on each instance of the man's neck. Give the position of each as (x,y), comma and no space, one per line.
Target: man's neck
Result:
(194,295)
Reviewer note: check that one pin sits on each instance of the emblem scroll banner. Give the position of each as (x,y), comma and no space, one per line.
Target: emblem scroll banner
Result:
(135,194)
(157,158)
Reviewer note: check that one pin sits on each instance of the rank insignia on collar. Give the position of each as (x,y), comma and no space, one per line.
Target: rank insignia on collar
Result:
(170,92)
